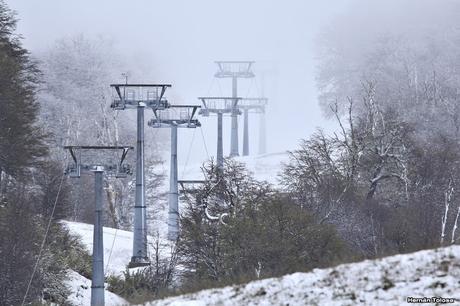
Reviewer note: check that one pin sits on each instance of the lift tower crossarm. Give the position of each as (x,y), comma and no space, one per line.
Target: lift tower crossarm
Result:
(218,105)
(132,95)
(256,104)
(227,69)
(185,119)
(120,170)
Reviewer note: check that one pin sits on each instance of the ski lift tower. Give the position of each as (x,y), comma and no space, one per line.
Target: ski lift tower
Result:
(253,105)
(120,170)
(177,116)
(234,70)
(220,106)
(139,96)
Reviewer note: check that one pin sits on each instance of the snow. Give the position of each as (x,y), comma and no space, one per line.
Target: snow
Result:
(386,281)
(81,292)
(115,259)
(266,167)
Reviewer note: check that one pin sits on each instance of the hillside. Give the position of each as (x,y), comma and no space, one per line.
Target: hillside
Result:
(386,281)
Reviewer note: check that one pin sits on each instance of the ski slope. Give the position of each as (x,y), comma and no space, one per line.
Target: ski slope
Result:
(117,254)
(118,245)
(266,167)
(115,259)
(387,281)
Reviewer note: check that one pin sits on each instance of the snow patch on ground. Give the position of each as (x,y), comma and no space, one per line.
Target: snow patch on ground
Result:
(81,292)
(386,281)
(115,259)
(118,245)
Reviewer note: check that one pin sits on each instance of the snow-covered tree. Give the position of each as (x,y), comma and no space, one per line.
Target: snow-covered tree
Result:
(76,99)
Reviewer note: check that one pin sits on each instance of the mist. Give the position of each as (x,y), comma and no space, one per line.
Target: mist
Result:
(177,42)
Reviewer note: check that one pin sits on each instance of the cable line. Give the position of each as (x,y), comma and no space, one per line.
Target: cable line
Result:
(44,240)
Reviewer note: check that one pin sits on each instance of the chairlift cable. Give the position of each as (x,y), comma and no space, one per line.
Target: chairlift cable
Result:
(110,254)
(116,230)
(204,143)
(189,152)
(42,246)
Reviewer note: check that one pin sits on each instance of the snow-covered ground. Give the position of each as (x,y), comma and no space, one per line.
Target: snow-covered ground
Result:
(80,288)
(386,281)
(115,259)
(118,246)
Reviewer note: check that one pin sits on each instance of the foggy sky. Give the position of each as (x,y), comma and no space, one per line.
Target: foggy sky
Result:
(177,42)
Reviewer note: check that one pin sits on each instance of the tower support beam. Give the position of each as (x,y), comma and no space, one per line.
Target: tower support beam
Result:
(173,214)
(140,257)
(246,133)
(255,106)
(262,134)
(220,144)
(177,116)
(234,115)
(97,281)
(139,96)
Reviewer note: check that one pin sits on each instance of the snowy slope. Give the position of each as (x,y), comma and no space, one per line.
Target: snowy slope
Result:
(116,259)
(118,245)
(80,288)
(266,167)
(115,262)
(387,281)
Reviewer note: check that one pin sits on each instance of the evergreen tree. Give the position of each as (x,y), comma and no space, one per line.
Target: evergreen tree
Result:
(23,223)
(21,139)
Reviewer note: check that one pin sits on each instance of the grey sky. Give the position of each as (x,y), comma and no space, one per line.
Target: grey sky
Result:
(179,40)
